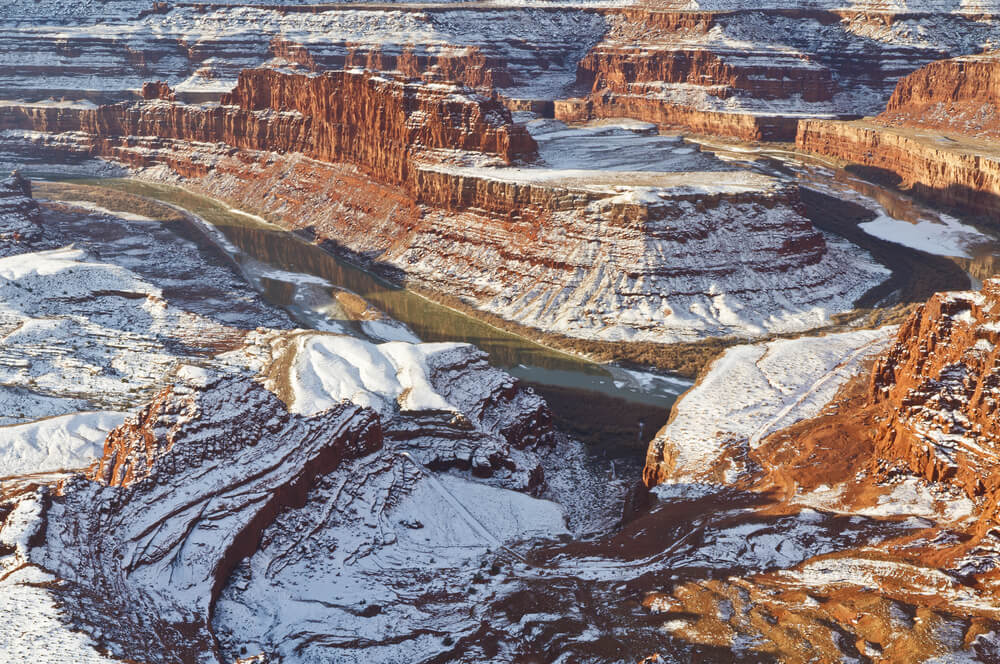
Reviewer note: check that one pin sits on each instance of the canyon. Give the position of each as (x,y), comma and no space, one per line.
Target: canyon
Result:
(877,424)
(608,331)
(936,137)
(460,185)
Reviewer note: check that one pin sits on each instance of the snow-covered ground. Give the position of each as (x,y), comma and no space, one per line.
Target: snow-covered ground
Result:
(754,390)
(945,236)
(711,258)
(66,442)
(615,145)
(233,38)
(398,546)
(95,327)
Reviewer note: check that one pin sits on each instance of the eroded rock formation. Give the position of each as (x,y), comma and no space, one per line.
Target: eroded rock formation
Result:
(372,122)
(897,460)
(181,494)
(192,484)
(961,95)
(937,391)
(432,164)
(935,139)
(751,74)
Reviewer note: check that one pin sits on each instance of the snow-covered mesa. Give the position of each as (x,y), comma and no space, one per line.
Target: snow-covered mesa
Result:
(388,378)
(58,443)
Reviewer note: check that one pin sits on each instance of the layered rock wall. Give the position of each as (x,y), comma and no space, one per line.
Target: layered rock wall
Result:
(623,69)
(694,69)
(372,122)
(936,137)
(19,215)
(741,126)
(937,390)
(954,173)
(467,65)
(960,95)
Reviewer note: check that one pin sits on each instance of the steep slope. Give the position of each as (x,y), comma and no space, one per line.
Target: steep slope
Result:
(936,389)
(961,95)
(937,138)
(218,468)
(358,117)
(183,502)
(896,458)
(437,200)
(753,73)
(19,217)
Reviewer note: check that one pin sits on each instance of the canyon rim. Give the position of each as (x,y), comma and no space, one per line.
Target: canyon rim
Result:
(603,331)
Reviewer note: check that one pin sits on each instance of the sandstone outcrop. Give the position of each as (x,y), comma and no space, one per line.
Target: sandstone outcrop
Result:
(936,390)
(751,74)
(157,90)
(935,139)
(671,116)
(961,95)
(467,65)
(957,172)
(372,122)
(873,491)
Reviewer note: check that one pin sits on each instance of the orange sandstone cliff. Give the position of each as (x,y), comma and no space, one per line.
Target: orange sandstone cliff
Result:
(937,391)
(937,137)
(372,122)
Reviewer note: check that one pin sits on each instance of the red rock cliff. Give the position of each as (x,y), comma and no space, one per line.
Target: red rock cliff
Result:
(956,172)
(464,65)
(937,137)
(937,391)
(960,95)
(360,118)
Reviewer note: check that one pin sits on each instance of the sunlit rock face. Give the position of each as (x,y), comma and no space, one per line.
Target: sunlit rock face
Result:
(935,138)
(961,95)
(664,245)
(938,388)
(752,73)
(890,431)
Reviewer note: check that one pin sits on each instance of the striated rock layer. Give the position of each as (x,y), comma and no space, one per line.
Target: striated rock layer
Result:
(199,50)
(332,429)
(931,399)
(665,267)
(936,138)
(419,178)
(752,73)
(958,172)
(19,216)
(741,126)
(938,391)
(361,118)
(960,95)
(898,460)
